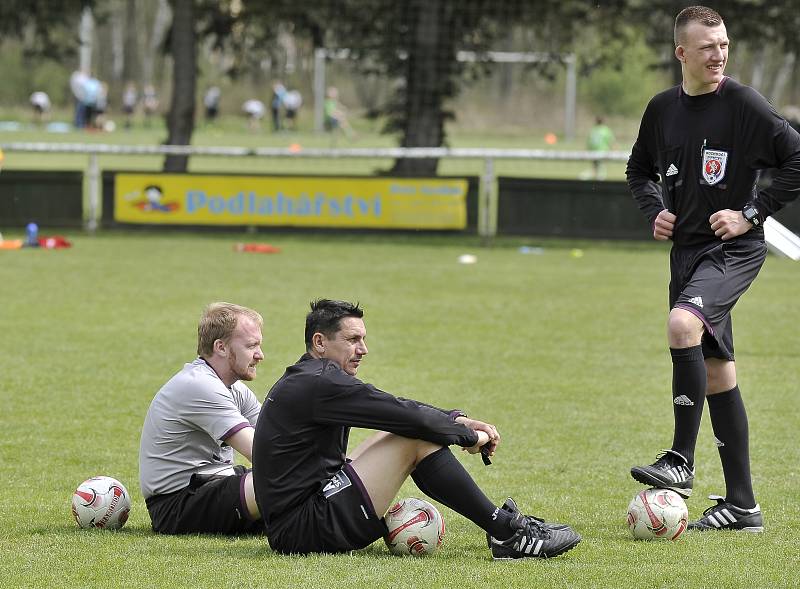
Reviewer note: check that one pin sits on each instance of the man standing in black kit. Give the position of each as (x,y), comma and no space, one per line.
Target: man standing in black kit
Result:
(708,138)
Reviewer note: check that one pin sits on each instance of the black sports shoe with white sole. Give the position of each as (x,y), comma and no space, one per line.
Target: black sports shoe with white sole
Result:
(726,516)
(532,539)
(671,470)
(511,507)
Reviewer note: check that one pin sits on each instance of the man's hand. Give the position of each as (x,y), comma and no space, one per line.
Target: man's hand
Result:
(664,225)
(728,224)
(487,435)
(483,439)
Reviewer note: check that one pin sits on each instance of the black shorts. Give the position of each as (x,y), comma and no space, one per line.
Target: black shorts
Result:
(211,504)
(707,281)
(340,517)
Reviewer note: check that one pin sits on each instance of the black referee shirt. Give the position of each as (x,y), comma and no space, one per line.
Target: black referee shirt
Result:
(708,150)
(302,430)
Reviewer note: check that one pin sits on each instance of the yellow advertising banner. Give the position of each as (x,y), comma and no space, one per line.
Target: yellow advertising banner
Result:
(391,203)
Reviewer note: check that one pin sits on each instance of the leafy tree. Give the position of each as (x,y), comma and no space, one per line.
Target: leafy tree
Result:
(42,24)
(749,22)
(417,43)
(619,73)
(39,35)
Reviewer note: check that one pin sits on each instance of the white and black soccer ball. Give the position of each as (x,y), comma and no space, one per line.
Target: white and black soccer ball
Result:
(415,527)
(657,514)
(101,502)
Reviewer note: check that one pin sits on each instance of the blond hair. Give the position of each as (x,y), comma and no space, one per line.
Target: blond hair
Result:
(218,321)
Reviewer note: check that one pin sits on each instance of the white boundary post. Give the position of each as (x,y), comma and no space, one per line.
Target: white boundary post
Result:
(570,97)
(487,203)
(93,179)
(319,89)
(85,34)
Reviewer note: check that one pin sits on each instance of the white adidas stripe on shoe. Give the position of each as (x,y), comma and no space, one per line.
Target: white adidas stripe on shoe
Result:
(726,516)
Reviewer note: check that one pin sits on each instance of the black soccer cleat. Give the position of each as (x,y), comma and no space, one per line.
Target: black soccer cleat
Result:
(533,539)
(670,471)
(511,507)
(726,516)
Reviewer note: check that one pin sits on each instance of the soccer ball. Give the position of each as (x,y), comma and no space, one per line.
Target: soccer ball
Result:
(657,514)
(101,502)
(415,527)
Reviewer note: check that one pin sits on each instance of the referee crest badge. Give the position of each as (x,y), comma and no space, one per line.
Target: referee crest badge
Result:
(714,162)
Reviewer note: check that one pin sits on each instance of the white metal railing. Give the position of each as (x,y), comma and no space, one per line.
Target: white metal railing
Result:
(487,202)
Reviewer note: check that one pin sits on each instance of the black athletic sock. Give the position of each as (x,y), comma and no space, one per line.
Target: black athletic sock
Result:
(688,393)
(729,421)
(442,477)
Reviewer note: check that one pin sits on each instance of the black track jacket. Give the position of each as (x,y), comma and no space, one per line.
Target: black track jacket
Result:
(708,150)
(302,432)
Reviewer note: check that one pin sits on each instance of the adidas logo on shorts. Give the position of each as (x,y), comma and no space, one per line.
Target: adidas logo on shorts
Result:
(698,301)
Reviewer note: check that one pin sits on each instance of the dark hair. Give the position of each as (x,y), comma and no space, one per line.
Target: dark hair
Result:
(700,14)
(325,316)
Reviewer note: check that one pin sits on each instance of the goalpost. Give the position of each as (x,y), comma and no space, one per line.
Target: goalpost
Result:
(321,55)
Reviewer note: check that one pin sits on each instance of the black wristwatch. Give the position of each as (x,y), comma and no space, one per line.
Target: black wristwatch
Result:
(751,214)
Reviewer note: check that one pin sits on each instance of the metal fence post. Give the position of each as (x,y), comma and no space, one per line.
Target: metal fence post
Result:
(93,178)
(319,89)
(570,106)
(487,203)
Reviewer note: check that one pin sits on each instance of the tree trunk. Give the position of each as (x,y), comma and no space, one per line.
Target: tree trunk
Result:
(161,24)
(430,60)
(759,68)
(782,79)
(674,66)
(180,119)
(86,35)
(118,28)
(130,66)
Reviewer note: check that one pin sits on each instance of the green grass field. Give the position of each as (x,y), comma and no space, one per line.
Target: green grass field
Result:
(565,354)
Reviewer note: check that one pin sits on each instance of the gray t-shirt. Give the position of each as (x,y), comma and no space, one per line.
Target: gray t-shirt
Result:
(186,426)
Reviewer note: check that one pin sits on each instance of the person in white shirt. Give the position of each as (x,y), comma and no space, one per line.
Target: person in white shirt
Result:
(199,417)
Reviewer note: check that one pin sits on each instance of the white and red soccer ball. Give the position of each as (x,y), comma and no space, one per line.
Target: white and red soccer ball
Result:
(657,514)
(101,502)
(415,527)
